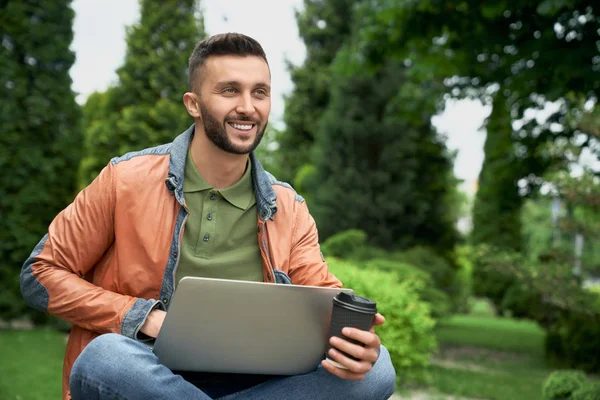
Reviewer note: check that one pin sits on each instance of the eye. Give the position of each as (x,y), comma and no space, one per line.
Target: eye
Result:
(261,92)
(229,90)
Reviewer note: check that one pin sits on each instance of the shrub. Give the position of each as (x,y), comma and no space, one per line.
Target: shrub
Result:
(439,301)
(521,301)
(589,391)
(408,330)
(344,244)
(561,384)
(442,274)
(493,272)
(574,341)
(426,259)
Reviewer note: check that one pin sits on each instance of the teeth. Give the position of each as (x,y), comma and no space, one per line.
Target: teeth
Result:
(242,127)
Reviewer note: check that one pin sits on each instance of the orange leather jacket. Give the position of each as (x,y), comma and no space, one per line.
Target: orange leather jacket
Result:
(110,257)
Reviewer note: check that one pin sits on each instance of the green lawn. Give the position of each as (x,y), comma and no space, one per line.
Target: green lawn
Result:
(486,357)
(482,357)
(496,333)
(31,364)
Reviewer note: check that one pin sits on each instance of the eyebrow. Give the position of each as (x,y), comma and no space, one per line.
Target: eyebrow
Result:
(223,84)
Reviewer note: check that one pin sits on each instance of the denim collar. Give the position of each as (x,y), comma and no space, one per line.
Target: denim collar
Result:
(265,195)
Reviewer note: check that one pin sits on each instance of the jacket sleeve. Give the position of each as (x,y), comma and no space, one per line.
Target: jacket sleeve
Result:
(52,276)
(309,266)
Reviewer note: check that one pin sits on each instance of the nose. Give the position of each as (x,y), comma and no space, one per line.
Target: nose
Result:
(245,105)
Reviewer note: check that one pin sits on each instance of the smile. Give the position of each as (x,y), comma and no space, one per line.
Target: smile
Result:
(241,127)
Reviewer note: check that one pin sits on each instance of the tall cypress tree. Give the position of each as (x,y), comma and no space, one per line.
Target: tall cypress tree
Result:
(145,107)
(497,208)
(40,137)
(380,165)
(323,25)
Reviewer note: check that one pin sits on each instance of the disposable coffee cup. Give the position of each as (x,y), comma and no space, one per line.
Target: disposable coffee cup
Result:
(350,311)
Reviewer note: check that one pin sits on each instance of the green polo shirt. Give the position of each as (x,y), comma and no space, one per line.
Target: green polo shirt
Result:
(219,240)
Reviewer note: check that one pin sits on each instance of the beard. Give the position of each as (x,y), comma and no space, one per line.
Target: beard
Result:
(217,133)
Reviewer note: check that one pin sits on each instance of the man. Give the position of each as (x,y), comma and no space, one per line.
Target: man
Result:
(110,261)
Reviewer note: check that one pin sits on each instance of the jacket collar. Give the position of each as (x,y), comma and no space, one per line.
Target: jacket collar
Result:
(265,195)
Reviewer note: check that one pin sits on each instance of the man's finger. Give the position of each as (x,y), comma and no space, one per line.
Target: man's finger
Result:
(340,372)
(369,339)
(378,320)
(362,353)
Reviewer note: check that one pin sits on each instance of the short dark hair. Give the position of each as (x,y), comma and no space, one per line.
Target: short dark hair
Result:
(223,44)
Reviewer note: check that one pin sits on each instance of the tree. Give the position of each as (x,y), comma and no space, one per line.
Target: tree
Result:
(323,26)
(496,212)
(381,167)
(145,108)
(40,138)
(519,47)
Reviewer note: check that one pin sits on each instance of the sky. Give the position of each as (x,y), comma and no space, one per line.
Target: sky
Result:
(99,46)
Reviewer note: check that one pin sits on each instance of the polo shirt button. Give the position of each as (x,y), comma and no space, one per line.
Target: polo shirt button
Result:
(212,196)
(206,237)
(209,217)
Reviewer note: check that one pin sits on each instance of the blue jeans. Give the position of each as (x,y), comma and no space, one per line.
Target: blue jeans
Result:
(113,366)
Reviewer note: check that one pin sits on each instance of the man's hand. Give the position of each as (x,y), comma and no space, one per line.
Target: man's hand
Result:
(153,323)
(356,370)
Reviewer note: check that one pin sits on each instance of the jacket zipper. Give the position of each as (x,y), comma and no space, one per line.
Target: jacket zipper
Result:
(266,248)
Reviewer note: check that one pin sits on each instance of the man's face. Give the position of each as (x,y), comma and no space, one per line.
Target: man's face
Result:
(234,99)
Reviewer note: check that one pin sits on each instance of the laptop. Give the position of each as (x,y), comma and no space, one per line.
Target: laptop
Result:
(230,326)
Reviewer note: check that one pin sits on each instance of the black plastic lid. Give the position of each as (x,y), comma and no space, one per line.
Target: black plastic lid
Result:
(358,303)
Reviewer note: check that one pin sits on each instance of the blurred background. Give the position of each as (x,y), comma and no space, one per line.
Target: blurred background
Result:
(448,149)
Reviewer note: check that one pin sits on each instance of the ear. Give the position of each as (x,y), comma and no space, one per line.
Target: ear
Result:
(190,101)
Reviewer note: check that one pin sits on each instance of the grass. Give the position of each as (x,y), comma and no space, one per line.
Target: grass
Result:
(31,364)
(480,356)
(504,334)
(488,357)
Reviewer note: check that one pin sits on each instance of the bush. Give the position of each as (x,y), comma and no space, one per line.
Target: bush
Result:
(574,341)
(439,301)
(408,330)
(589,391)
(442,274)
(520,301)
(493,272)
(351,245)
(561,384)
(424,258)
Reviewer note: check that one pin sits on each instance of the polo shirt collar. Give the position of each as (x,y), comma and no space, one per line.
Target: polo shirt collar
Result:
(240,194)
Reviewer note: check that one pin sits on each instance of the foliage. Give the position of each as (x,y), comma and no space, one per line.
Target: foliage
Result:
(512,49)
(574,341)
(492,275)
(440,270)
(588,391)
(422,264)
(393,186)
(496,212)
(144,109)
(323,27)
(344,244)
(464,278)
(40,137)
(408,331)
(439,301)
(520,301)
(268,152)
(560,385)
